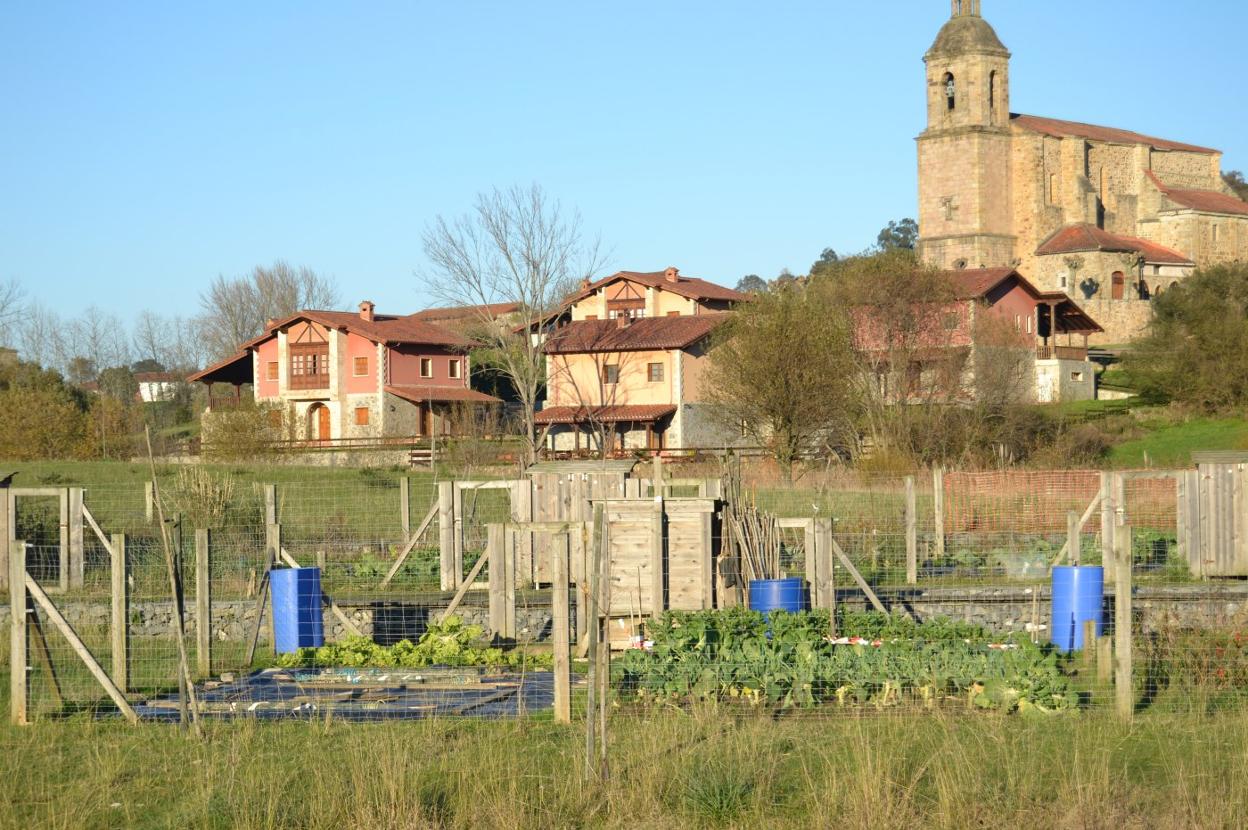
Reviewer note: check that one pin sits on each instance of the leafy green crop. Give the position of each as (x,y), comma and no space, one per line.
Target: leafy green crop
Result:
(731,654)
(449,643)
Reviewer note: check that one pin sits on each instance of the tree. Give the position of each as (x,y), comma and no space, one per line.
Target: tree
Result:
(1235,179)
(751,284)
(1196,350)
(95,339)
(826,261)
(899,235)
(43,416)
(515,246)
(41,337)
(783,370)
(11,295)
(234,310)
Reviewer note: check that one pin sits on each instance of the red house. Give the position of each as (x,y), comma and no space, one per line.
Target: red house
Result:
(342,375)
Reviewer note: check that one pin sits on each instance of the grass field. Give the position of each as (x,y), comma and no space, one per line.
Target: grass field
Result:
(1172,445)
(677,770)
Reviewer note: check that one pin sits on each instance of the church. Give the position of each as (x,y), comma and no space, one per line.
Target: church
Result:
(1110,217)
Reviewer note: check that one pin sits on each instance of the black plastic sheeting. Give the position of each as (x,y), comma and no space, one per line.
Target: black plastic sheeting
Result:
(366,695)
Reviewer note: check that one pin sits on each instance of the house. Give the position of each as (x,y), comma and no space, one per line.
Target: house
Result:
(157,386)
(346,375)
(1108,216)
(994,327)
(625,357)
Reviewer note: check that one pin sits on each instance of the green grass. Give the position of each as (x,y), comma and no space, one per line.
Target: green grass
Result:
(1172,445)
(667,770)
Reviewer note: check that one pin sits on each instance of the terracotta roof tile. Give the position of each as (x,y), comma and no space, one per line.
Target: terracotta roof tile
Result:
(642,334)
(1086,237)
(420,394)
(972,283)
(691,287)
(466,312)
(383,328)
(1206,201)
(1061,129)
(602,414)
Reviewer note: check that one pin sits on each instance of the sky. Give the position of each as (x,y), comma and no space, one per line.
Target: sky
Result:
(147,147)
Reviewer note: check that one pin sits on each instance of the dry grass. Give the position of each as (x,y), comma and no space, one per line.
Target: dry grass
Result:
(668,770)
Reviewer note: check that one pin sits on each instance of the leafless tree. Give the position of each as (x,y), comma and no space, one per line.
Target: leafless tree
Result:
(40,337)
(235,309)
(99,337)
(170,341)
(11,309)
(515,246)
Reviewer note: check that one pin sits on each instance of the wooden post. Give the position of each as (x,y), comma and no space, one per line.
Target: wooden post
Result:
(1108,524)
(272,556)
(938,510)
(502,588)
(119,624)
(77,560)
(63,533)
(1104,658)
(7,529)
(559,554)
(1124,693)
(149,501)
(912,534)
(1073,544)
(1089,642)
(203,603)
(657,473)
(446,535)
(270,504)
(405,506)
(811,569)
(19,634)
(658,584)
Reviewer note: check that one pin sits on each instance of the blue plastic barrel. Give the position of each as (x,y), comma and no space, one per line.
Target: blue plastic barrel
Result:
(1078,595)
(778,595)
(296,609)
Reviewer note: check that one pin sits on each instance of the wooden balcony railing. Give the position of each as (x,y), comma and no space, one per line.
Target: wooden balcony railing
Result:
(1061,353)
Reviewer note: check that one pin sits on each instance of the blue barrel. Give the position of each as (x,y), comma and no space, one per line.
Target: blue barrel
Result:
(297,609)
(778,595)
(1078,594)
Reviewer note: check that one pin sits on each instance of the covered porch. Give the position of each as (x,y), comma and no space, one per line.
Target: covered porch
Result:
(235,373)
(448,411)
(1062,328)
(606,430)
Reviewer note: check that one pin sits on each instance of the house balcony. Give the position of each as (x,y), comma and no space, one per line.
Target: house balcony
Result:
(1048,352)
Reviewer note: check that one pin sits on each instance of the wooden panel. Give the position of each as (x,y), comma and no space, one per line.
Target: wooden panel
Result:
(630,574)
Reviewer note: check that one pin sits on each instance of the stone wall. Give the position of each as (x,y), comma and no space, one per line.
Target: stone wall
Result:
(1123,320)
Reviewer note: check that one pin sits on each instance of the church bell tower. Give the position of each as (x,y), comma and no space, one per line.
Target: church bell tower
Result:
(964,154)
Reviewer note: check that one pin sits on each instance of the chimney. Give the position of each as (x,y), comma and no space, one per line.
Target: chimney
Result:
(366,311)
(672,274)
(623,321)
(585,283)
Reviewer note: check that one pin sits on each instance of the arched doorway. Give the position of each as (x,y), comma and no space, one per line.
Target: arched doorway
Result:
(318,422)
(1119,283)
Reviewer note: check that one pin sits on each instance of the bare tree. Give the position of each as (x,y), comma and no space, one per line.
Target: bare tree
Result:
(40,337)
(11,309)
(169,341)
(515,247)
(99,338)
(236,309)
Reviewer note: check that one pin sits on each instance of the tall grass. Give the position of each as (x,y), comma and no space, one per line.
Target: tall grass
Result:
(669,769)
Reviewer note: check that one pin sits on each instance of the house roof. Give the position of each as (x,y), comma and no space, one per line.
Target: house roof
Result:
(967,33)
(383,328)
(466,312)
(1206,201)
(602,414)
(642,334)
(691,287)
(1063,129)
(235,369)
(156,377)
(977,283)
(422,394)
(1086,237)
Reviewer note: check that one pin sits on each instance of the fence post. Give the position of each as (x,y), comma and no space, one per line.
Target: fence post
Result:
(446,534)
(405,506)
(203,603)
(1123,691)
(77,561)
(7,529)
(120,618)
(149,501)
(270,504)
(272,556)
(1074,547)
(657,560)
(560,554)
(19,634)
(63,536)
(912,534)
(938,509)
(1108,524)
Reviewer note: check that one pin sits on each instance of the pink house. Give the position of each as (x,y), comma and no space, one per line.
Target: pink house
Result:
(347,375)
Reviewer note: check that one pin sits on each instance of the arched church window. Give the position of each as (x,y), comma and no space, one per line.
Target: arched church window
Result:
(951,91)
(1174,285)
(992,90)
(1119,283)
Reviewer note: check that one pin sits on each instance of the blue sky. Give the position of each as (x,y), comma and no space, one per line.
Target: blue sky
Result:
(147,147)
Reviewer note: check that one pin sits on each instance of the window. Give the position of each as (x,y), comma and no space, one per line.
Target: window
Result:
(1077,377)
(951,89)
(1065,281)
(992,91)
(309,366)
(591,316)
(361,416)
(1029,324)
(1052,189)
(1118,283)
(360,366)
(426,367)
(1156,270)
(1215,233)
(611,373)
(654,372)
(454,368)
(271,370)
(673,314)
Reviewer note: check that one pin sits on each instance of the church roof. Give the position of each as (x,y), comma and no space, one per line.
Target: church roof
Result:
(1206,201)
(1063,129)
(1083,237)
(967,34)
